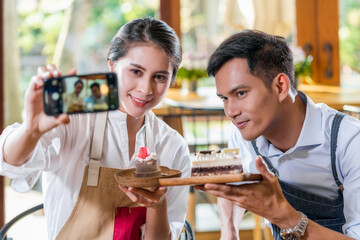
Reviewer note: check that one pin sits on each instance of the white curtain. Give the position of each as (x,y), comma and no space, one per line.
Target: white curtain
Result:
(271,16)
(12,103)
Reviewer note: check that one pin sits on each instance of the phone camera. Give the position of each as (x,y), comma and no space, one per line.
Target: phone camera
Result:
(55,96)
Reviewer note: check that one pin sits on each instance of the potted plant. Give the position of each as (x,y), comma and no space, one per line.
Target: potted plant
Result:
(302,66)
(193,69)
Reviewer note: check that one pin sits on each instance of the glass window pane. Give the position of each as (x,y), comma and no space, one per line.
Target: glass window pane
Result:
(72,33)
(205,24)
(349,38)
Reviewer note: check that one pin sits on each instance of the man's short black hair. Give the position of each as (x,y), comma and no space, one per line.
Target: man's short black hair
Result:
(267,55)
(95,85)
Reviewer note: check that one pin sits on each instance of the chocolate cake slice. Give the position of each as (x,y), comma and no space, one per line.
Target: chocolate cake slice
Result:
(209,163)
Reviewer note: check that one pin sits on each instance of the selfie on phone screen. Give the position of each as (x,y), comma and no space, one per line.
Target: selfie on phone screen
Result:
(80,94)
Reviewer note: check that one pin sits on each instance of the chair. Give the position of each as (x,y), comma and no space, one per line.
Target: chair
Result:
(202,128)
(187,233)
(7,226)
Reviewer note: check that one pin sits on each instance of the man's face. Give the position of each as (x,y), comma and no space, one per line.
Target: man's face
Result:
(251,106)
(95,91)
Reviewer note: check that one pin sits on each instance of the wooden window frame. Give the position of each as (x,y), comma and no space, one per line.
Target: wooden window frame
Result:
(317,33)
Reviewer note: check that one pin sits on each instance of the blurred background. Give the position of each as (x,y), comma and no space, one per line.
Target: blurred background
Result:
(324,35)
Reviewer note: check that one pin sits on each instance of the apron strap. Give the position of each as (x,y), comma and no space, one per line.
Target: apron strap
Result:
(334,136)
(96,148)
(266,160)
(333,144)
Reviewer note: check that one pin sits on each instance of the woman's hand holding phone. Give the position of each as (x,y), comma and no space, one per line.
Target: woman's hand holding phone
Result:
(21,142)
(37,122)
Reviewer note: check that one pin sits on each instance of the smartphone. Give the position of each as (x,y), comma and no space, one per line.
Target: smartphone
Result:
(81,94)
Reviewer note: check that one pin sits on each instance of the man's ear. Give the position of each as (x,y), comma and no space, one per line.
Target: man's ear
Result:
(111,65)
(282,86)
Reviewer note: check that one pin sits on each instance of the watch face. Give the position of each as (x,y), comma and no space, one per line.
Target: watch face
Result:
(290,236)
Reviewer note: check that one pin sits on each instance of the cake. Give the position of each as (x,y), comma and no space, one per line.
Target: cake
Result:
(209,163)
(146,164)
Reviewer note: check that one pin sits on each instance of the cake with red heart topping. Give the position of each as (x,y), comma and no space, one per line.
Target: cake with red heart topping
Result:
(146,165)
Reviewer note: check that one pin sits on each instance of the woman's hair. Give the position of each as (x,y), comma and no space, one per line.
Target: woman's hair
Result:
(146,31)
(77,82)
(267,55)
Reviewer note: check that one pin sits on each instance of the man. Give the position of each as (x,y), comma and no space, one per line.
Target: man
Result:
(310,189)
(96,101)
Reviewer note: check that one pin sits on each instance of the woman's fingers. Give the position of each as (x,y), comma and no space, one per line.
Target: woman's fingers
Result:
(41,71)
(53,70)
(72,71)
(144,197)
(132,196)
(154,196)
(36,83)
(63,119)
(48,71)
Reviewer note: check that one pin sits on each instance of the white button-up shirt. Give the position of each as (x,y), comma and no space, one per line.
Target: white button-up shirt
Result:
(62,154)
(307,165)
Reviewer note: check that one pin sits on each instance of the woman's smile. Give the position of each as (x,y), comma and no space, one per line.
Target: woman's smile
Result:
(138,102)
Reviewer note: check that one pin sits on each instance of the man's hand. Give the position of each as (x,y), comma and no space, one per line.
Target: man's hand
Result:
(264,198)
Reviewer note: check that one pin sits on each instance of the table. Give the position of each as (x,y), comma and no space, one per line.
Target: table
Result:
(177,104)
(334,96)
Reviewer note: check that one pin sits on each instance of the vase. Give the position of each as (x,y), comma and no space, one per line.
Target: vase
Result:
(189,86)
(303,80)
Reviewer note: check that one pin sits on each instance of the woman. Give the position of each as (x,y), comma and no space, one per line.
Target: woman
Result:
(74,101)
(145,54)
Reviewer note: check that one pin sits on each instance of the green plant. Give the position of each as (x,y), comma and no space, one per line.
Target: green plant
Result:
(302,65)
(193,67)
(349,34)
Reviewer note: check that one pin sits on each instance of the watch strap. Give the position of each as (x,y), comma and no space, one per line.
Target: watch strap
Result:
(296,232)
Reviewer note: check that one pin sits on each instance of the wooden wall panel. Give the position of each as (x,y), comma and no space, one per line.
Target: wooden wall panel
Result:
(328,37)
(305,27)
(170,13)
(317,25)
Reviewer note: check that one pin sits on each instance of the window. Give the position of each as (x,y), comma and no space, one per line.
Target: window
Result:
(70,33)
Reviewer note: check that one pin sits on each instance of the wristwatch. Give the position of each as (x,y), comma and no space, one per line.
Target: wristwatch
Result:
(296,232)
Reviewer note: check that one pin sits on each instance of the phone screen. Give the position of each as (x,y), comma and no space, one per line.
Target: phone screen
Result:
(81,94)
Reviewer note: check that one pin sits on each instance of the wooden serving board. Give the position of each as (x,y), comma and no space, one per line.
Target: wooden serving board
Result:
(201,180)
(126,178)
(171,177)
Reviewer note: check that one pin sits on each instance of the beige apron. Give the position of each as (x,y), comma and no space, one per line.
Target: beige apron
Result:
(99,197)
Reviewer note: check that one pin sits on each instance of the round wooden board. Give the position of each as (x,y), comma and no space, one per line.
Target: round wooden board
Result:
(126,178)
